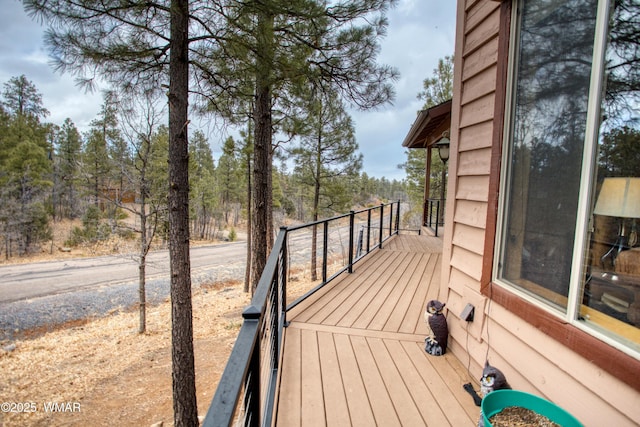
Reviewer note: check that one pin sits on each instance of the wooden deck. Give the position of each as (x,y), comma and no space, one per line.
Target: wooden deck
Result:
(354,351)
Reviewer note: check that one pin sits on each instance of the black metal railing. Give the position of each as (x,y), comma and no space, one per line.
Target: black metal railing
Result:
(434,214)
(247,389)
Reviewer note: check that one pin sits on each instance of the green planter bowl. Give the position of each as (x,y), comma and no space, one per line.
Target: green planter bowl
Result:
(497,400)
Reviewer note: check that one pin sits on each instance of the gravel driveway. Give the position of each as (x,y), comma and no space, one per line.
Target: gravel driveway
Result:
(53,310)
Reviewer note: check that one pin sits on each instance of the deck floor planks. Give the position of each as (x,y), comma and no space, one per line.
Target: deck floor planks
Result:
(378,293)
(372,377)
(360,410)
(383,409)
(290,396)
(322,304)
(401,398)
(369,264)
(445,384)
(425,401)
(414,322)
(404,301)
(335,400)
(312,409)
(363,295)
(395,291)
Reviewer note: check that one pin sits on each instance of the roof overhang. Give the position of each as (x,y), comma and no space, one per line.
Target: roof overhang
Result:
(428,127)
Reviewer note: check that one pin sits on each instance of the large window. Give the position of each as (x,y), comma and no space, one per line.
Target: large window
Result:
(570,207)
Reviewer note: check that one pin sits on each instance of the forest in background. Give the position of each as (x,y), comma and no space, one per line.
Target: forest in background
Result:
(114,176)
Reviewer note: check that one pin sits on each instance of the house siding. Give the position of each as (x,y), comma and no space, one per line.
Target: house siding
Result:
(531,360)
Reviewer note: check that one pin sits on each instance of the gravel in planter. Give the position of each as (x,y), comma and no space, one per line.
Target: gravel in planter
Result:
(516,416)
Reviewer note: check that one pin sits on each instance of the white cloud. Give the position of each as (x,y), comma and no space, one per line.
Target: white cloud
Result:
(420,32)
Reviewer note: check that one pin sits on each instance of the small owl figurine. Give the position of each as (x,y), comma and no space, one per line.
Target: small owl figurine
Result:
(492,379)
(436,342)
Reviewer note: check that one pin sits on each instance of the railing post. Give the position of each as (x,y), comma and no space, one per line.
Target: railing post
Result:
(283,277)
(325,244)
(368,230)
(275,324)
(252,385)
(391,219)
(351,227)
(381,224)
(437,216)
(398,219)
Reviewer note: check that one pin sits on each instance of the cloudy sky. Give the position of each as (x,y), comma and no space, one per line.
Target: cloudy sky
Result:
(419,33)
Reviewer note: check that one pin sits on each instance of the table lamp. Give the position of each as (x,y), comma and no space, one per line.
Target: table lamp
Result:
(620,198)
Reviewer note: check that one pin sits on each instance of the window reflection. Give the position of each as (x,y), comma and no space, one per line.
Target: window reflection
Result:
(611,294)
(553,77)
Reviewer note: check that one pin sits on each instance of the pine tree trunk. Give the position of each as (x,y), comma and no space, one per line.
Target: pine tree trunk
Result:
(262,147)
(316,205)
(142,266)
(142,294)
(270,233)
(184,390)
(247,273)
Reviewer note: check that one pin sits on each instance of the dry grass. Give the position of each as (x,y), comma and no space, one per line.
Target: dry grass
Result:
(117,376)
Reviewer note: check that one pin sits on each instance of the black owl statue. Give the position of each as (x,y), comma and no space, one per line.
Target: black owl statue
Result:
(436,342)
(492,379)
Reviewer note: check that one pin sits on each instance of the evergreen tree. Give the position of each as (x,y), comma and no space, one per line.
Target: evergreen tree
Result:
(328,150)
(246,155)
(436,89)
(138,45)
(21,98)
(117,148)
(439,87)
(230,180)
(26,166)
(201,185)
(282,45)
(97,166)
(68,155)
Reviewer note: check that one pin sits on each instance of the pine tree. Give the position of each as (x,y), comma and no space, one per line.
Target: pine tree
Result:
(436,89)
(97,166)
(25,155)
(282,45)
(68,155)
(328,150)
(201,186)
(139,46)
(230,180)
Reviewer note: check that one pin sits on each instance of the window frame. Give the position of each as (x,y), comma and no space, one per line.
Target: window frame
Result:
(606,352)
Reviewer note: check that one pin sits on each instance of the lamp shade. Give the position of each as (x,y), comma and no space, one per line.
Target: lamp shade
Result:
(619,197)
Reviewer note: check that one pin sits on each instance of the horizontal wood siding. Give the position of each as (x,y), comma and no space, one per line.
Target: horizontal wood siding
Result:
(466,261)
(486,29)
(473,188)
(531,360)
(477,111)
(575,383)
(471,213)
(479,85)
(477,162)
(469,238)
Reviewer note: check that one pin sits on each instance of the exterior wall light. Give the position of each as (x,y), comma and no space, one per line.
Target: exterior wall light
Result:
(443,147)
